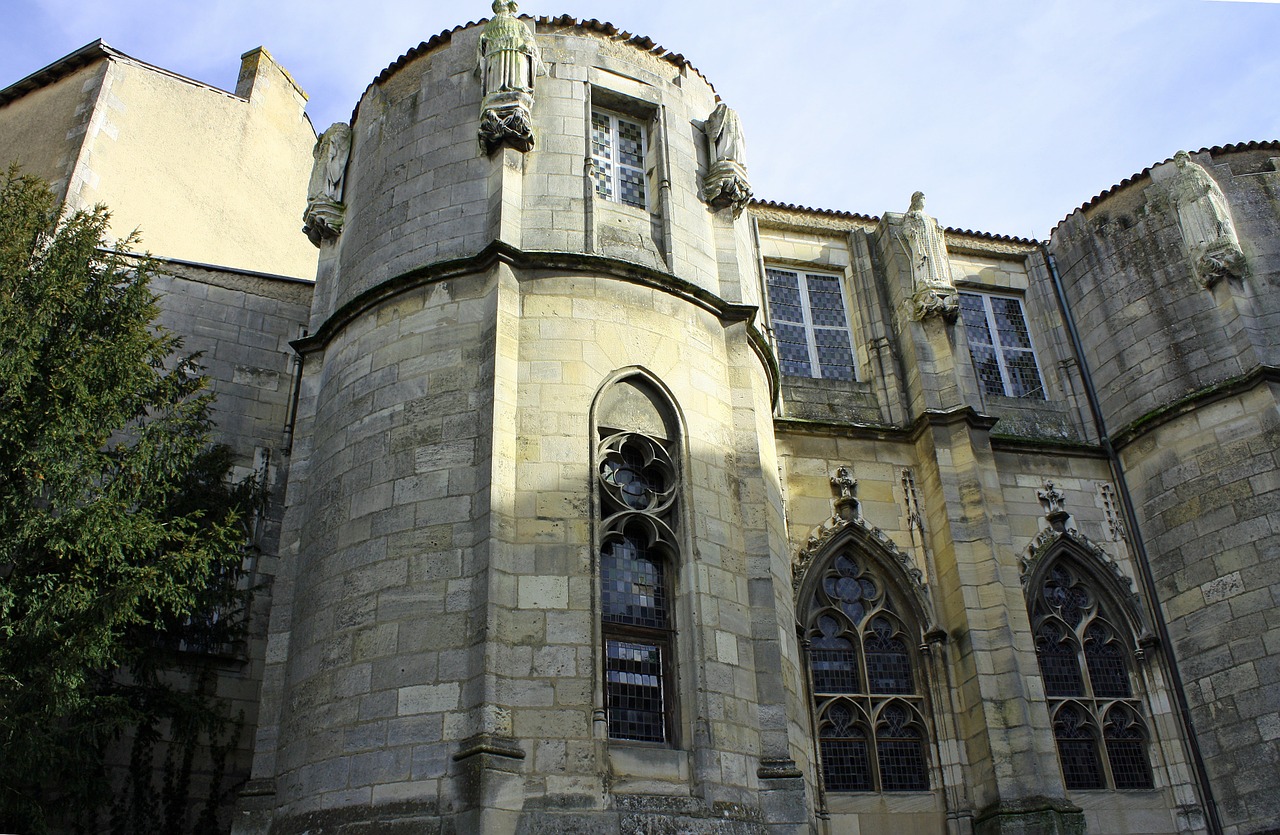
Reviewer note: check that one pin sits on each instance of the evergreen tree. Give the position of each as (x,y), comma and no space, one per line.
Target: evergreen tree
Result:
(117,525)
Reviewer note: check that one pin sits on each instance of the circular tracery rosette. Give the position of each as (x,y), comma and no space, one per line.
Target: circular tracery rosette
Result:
(636,473)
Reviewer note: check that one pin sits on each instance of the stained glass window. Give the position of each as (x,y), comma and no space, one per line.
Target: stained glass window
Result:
(617,155)
(1000,346)
(861,665)
(1085,667)
(810,324)
(637,485)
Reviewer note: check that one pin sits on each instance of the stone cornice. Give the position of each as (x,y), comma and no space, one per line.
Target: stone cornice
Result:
(499,252)
(1193,401)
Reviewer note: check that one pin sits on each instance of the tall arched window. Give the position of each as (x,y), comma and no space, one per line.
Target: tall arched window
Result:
(638,487)
(1083,650)
(864,675)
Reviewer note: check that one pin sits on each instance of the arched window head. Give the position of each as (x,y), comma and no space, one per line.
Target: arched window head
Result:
(638,488)
(864,676)
(1082,646)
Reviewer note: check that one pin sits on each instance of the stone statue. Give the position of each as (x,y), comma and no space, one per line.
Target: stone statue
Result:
(933,292)
(325,210)
(726,182)
(724,129)
(508,62)
(1205,220)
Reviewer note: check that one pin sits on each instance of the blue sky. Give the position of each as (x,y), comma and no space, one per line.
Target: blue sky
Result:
(1007,113)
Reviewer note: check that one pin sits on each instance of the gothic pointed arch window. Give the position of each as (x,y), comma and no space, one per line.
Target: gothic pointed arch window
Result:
(865,678)
(1082,645)
(638,498)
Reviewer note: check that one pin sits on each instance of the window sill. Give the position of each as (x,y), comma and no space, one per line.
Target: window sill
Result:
(645,768)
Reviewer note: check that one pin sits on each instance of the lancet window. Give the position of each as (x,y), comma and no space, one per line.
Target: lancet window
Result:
(865,679)
(638,488)
(1087,670)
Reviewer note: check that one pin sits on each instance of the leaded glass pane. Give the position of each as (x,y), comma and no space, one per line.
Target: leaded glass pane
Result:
(898,748)
(888,665)
(1105,659)
(633,676)
(793,350)
(1059,661)
(835,353)
(846,766)
(974,315)
(1010,323)
(1024,377)
(631,182)
(825,301)
(631,585)
(630,144)
(988,369)
(602,155)
(1126,750)
(1077,750)
(834,665)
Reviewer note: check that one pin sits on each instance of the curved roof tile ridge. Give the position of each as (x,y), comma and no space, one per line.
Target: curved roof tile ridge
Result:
(987,236)
(642,42)
(1230,147)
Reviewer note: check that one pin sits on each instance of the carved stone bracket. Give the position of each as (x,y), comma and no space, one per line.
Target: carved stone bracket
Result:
(506,123)
(1219,262)
(323,220)
(726,185)
(929,301)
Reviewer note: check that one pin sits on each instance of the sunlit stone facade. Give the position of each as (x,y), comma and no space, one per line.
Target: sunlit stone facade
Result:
(606,499)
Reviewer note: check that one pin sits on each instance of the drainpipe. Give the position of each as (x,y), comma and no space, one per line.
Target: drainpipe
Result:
(1139,548)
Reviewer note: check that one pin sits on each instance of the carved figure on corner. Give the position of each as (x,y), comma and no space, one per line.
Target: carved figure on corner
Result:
(1204,217)
(726,184)
(933,293)
(508,62)
(323,218)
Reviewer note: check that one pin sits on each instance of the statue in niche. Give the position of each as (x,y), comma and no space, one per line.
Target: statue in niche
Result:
(933,293)
(325,210)
(508,62)
(726,183)
(1205,220)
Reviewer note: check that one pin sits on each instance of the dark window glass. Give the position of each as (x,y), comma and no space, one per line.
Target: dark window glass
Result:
(1126,750)
(857,648)
(631,585)
(1105,659)
(633,678)
(900,752)
(846,766)
(888,665)
(1078,751)
(1059,662)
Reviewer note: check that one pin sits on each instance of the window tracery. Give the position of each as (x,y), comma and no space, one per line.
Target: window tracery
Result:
(1097,724)
(638,486)
(867,701)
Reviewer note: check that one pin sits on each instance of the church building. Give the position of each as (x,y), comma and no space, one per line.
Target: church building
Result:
(608,498)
